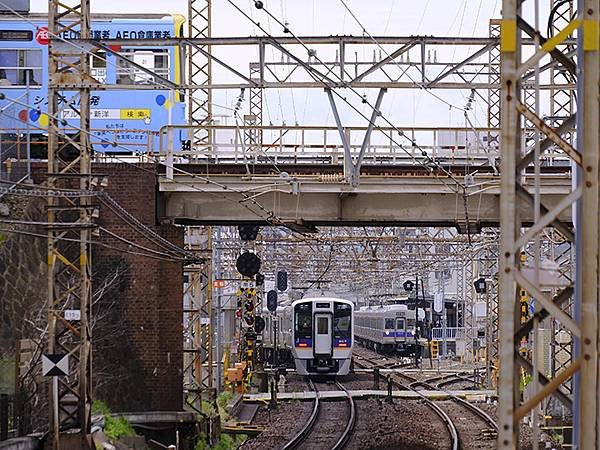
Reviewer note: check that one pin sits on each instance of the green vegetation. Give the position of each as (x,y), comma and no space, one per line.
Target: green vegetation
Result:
(524,381)
(226,442)
(114,427)
(224,398)
(99,407)
(117,427)
(7,375)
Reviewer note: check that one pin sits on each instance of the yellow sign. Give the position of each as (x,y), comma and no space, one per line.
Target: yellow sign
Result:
(134,114)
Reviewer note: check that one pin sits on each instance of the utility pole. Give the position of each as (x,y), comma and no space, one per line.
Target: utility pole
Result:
(69,266)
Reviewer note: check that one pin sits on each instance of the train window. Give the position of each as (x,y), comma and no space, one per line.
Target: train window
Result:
(389,324)
(18,67)
(342,320)
(155,60)
(400,324)
(98,66)
(303,321)
(322,325)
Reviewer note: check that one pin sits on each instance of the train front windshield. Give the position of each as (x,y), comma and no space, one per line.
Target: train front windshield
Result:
(342,321)
(303,321)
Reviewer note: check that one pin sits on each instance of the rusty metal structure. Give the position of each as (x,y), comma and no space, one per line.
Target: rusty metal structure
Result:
(69,266)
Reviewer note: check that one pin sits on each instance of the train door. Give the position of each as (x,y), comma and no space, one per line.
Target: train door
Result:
(400,329)
(323,336)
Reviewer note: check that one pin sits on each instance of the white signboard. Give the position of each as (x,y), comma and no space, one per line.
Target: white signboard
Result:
(72,314)
(438,302)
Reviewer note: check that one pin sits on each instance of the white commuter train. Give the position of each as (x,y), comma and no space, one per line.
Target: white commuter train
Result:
(388,329)
(317,334)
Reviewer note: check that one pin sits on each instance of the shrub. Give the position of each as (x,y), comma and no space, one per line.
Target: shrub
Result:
(114,427)
(117,427)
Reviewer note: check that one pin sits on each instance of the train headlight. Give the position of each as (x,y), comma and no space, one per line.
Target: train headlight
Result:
(387,333)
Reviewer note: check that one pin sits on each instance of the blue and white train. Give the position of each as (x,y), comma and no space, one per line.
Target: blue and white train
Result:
(391,329)
(122,121)
(315,333)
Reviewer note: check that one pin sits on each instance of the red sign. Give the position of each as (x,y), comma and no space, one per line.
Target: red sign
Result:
(217,284)
(42,36)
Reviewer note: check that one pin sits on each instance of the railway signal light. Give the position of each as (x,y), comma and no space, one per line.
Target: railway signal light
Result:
(272,301)
(249,319)
(260,279)
(259,324)
(408,285)
(282,280)
(249,305)
(480,285)
(248,232)
(248,264)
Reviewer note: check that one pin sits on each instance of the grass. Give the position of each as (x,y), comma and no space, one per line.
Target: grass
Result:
(226,442)
(114,427)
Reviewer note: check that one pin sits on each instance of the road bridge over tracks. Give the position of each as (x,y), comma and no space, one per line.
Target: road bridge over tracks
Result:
(305,196)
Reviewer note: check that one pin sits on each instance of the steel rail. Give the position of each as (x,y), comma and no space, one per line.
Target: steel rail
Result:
(343,440)
(455,440)
(471,407)
(299,438)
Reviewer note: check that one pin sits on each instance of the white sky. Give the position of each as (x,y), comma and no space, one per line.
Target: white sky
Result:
(328,17)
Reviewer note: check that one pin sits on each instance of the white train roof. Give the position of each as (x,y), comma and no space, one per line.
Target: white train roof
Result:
(321,299)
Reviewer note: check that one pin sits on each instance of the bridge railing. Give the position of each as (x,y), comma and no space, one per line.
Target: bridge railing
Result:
(273,144)
(452,333)
(311,144)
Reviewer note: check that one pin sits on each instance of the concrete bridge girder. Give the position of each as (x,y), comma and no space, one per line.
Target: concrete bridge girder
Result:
(406,201)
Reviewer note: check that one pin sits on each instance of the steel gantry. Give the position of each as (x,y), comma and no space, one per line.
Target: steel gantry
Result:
(513,277)
(69,266)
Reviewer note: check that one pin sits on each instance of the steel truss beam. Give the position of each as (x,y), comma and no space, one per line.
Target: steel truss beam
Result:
(406,67)
(69,266)
(199,98)
(198,318)
(512,277)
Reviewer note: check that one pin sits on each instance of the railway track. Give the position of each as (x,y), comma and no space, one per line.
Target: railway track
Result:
(468,430)
(321,429)
(444,417)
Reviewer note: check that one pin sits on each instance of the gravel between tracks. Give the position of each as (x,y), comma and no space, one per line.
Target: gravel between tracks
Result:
(280,425)
(404,424)
(470,426)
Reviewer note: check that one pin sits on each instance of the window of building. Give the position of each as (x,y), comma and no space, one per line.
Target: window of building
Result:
(20,67)
(156,60)
(98,66)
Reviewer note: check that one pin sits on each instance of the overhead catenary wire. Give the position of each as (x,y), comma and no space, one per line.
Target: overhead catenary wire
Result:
(413,143)
(268,216)
(428,160)
(92,242)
